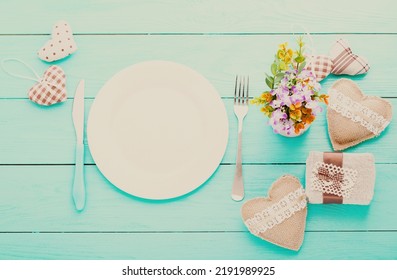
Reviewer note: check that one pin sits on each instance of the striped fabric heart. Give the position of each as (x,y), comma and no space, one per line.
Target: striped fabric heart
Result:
(345,61)
(341,61)
(51,89)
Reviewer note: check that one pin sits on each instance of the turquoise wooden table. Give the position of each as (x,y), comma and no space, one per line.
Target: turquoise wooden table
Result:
(37,217)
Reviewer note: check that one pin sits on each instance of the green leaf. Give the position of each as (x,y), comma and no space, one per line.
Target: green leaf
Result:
(273,68)
(301,66)
(280,75)
(300,59)
(282,66)
(278,78)
(269,82)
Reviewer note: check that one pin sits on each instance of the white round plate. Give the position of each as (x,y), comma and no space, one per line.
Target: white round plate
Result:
(157,130)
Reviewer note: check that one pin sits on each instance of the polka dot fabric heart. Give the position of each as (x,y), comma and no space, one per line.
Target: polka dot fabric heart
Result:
(51,89)
(61,45)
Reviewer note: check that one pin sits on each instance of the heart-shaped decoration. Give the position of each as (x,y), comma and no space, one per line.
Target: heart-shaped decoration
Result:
(279,218)
(345,61)
(341,61)
(320,65)
(51,89)
(61,45)
(354,117)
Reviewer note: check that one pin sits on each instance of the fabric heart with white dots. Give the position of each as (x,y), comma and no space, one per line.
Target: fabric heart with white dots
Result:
(61,45)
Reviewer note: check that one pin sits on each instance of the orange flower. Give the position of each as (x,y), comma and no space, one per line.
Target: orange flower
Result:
(298,127)
(306,111)
(296,106)
(324,98)
(308,119)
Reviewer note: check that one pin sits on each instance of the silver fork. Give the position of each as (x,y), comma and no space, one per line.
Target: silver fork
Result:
(240,110)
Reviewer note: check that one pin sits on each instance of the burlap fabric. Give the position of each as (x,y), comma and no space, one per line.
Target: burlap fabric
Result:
(344,132)
(288,234)
(363,189)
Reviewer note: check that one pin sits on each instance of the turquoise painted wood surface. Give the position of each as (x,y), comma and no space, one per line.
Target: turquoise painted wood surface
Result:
(192,245)
(37,218)
(199,16)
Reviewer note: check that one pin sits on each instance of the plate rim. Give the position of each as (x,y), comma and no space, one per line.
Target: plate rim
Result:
(210,172)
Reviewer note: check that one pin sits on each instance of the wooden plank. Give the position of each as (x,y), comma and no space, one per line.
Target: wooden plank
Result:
(218,58)
(38,199)
(196,246)
(123,16)
(35,135)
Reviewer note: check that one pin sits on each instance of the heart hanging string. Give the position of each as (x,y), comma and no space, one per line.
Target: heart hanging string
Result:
(49,89)
(310,49)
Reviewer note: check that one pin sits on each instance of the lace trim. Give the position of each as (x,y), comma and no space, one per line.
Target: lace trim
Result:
(277,213)
(358,113)
(332,179)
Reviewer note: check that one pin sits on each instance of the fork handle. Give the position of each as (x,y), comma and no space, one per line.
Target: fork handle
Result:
(238,184)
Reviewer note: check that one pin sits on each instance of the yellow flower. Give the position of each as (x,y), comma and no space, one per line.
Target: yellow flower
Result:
(267,110)
(267,97)
(281,54)
(295,106)
(285,55)
(295,114)
(300,42)
(283,46)
(288,56)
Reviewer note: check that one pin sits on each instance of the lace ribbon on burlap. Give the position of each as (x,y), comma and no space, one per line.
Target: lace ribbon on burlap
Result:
(277,213)
(332,179)
(356,112)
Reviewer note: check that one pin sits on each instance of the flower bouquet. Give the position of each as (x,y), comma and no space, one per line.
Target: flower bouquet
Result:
(293,101)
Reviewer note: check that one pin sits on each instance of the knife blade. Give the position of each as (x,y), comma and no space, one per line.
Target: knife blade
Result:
(78,190)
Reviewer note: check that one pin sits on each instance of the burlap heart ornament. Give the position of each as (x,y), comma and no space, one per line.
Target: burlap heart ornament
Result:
(354,117)
(279,218)
(51,88)
(60,45)
(340,61)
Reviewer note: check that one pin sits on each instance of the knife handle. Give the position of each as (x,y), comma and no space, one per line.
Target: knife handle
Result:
(78,184)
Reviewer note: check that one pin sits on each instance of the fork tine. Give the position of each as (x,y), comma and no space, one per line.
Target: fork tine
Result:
(241,92)
(248,82)
(235,90)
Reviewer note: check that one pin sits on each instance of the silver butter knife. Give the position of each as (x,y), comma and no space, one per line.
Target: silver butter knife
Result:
(78,121)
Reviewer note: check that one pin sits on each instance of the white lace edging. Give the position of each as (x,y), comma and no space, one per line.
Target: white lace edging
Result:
(340,180)
(277,213)
(358,113)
